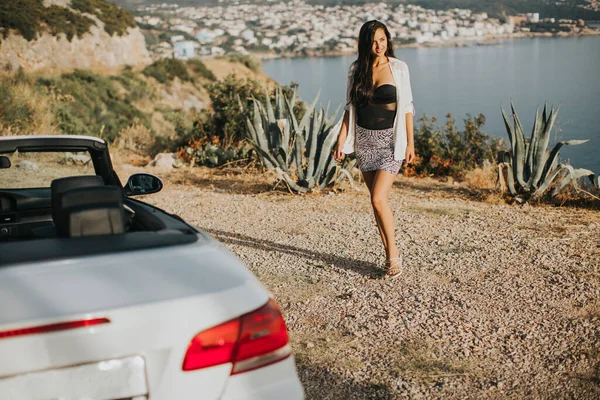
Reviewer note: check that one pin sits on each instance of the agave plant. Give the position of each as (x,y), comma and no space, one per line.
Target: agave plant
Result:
(300,152)
(530,169)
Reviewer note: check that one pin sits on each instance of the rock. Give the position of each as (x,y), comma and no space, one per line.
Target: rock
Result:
(78,159)
(26,164)
(165,161)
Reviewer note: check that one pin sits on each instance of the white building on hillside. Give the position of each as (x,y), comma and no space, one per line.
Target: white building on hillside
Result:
(185,49)
(533,17)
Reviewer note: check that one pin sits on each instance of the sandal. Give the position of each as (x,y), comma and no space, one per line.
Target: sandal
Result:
(394,267)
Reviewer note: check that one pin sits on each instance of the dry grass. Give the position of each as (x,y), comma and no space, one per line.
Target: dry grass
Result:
(591,372)
(226,180)
(136,138)
(326,349)
(40,118)
(485,177)
(221,68)
(421,358)
(589,311)
(441,211)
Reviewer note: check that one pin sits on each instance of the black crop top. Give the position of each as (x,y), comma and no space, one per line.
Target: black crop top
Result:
(380,112)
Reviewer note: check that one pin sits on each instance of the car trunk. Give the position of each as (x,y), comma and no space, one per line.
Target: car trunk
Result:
(144,306)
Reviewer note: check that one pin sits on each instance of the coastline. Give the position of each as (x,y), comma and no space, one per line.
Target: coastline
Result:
(485,40)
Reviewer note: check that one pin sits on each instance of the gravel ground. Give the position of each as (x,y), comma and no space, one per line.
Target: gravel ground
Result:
(495,301)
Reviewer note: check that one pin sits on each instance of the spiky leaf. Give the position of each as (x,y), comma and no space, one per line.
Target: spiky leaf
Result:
(539,161)
(571,177)
(519,153)
(553,156)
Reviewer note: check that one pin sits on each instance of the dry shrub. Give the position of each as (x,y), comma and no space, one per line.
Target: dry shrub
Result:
(161,126)
(135,138)
(410,170)
(27,111)
(484,177)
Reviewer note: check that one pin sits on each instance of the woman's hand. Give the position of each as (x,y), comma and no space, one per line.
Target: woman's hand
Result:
(337,153)
(410,154)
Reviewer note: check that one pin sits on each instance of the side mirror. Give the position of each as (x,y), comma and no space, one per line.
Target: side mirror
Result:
(142,183)
(4,162)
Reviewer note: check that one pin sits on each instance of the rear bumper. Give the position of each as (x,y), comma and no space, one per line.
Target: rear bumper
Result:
(273,382)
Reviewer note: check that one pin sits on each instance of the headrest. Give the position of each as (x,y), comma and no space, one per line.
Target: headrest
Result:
(91,211)
(62,185)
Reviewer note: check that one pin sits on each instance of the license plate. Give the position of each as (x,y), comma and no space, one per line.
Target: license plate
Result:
(106,380)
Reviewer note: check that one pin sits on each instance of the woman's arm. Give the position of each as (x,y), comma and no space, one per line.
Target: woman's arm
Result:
(338,154)
(410,138)
(410,122)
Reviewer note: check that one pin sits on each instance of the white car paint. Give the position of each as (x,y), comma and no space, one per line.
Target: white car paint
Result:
(157,301)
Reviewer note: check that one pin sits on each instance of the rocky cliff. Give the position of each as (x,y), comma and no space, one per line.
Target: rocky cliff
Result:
(96,49)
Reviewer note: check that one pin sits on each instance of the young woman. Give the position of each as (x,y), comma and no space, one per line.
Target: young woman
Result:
(378,126)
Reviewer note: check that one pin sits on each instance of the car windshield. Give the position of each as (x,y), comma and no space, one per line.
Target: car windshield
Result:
(38,169)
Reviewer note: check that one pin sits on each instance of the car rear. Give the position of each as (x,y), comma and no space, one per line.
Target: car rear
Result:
(184,322)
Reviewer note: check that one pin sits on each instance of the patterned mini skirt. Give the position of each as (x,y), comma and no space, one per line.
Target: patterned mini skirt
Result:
(375,150)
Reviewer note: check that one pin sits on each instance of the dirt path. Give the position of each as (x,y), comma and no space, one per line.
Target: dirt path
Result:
(495,302)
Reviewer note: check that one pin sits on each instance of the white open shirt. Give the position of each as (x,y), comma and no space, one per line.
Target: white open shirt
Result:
(404,105)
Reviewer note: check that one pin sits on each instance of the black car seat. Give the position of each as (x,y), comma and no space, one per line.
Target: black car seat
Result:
(61,185)
(91,211)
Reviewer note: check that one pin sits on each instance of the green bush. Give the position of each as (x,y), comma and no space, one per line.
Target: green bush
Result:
(150,37)
(199,68)
(225,125)
(13,112)
(116,19)
(183,123)
(96,108)
(213,155)
(21,15)
(27,17)
(447,151)
(63,20)
(166,69)
(137,87)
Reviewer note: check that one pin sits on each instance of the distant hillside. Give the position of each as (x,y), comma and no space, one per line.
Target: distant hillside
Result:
(495,8)
(53,35)
(500,8)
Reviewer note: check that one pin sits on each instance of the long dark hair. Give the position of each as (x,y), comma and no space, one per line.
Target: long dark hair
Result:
(362,86)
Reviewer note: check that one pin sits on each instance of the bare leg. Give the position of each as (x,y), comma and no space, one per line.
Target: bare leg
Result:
(369,180)
(379,198)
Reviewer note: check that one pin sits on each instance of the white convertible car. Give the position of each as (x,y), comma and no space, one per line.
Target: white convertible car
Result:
(104,297)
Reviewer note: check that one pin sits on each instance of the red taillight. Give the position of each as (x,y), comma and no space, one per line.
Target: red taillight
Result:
(212,347)
(252,341)
(263,334)
(62,326)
